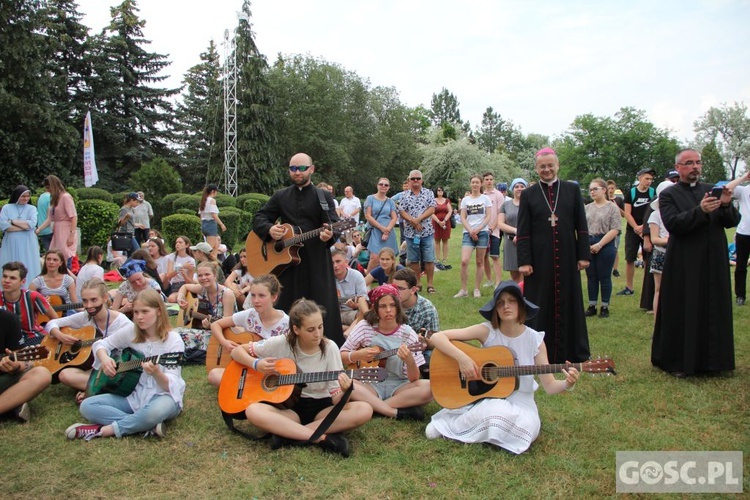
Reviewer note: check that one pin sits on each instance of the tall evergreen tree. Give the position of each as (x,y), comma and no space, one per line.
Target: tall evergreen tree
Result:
(713,164)
(259,161)
(33,140)
(199,123)
(135,118)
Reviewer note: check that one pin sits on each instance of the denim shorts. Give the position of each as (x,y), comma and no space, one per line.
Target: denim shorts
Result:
(483,240)
(494,245)
(209,227)
(425,252)
(389,386)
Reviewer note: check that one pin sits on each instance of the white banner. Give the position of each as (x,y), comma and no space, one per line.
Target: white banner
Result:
(90,175)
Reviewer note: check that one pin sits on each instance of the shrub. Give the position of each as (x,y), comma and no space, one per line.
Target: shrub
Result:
(92,193)
(224,200)
(252,205)
(156,179)
(190,201)
(263,198)
(175,225)
(232,218)
(184,211)
(96,221)
(163,206)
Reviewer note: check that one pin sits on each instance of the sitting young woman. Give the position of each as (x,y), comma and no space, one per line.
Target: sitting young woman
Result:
(136,281)
(511,423)
(383,272)
(214,301)
(157,396)
(262,318)
(402,394)
(55,279)
(305,343)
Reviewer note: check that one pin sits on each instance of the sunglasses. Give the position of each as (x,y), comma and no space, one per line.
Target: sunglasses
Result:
(300,168)
(415,178)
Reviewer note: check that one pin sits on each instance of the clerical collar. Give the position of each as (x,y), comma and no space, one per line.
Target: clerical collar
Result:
(549,183)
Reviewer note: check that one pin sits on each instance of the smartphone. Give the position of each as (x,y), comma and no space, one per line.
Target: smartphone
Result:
(716,191)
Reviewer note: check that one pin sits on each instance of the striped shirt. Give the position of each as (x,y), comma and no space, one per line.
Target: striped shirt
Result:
(26,308)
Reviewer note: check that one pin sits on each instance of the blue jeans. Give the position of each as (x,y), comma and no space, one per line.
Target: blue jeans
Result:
(424,252)
(106,409)
(599,272)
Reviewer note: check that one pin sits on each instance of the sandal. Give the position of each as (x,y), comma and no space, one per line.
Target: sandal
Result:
(80,396)
(431,289)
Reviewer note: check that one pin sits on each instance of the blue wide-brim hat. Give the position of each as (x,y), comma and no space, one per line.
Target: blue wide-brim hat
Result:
(511,287)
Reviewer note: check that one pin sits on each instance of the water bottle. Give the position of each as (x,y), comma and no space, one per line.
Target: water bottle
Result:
(417,240)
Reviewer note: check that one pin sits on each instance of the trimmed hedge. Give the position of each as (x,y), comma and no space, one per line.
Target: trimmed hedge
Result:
(224,200)
(232,218)
(190,201)
(184,211)
(96,221)
(176,225)
(252,205)
(92,193)
(163,207)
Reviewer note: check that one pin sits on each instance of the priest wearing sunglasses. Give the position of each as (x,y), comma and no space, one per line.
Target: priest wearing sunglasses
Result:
(300,206)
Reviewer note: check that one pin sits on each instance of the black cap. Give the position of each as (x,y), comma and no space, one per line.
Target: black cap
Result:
(133,196)
(672,174)
(646,171)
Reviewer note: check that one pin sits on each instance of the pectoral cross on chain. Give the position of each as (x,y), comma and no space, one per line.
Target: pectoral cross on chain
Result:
(552,220)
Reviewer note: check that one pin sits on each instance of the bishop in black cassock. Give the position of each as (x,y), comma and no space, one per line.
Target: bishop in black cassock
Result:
(313,278)
(553,244)
(693,331)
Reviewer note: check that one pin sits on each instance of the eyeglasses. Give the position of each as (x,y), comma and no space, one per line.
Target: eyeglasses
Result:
(415,178)
(691,163)
(383,184)
(595,189)
(300,168)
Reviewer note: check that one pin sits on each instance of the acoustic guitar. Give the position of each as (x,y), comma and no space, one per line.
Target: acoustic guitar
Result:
(69,355)
(381,358)
(30,353)
(191,316)
(217,356)
(242,386)
(273,257)
(58,305)
(128,372)
(498,371)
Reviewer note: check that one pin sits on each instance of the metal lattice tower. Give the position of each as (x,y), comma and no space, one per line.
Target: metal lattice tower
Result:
(230,113)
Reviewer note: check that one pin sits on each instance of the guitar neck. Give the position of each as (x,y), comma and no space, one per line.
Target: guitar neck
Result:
(516,371)
(296,240)
(385,354)
(68,307)
(308,378)
(133,364)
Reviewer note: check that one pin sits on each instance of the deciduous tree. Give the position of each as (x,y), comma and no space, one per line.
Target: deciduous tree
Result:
(729,127)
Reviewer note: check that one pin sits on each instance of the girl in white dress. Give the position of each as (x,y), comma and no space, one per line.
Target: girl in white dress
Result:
(511,423)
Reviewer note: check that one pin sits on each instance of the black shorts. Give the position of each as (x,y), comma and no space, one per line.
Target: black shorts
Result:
(494,250)
(8,380)
(308,408)
(632,243)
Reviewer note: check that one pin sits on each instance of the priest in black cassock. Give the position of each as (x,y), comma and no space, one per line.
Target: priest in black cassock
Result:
(693,332)
(313,278)
(553,247)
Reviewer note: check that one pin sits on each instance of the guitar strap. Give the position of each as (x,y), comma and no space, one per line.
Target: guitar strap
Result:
(331,417)
(322,201)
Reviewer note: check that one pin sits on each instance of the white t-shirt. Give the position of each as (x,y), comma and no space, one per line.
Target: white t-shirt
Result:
(250,321)
(742,194)
(349,206)
(476,209)
(87,272)
(308,363)
(655,218)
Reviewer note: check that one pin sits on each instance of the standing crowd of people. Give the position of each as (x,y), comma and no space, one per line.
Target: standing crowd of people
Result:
(347,300)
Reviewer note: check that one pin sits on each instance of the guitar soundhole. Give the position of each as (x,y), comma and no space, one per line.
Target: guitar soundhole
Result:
(271,382)
(488,373)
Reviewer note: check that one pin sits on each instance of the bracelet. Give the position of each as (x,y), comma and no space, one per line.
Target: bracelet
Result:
(568,388)
(350,357)
(255,364)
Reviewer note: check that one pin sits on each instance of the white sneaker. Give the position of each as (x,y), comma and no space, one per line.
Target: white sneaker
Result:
(461,293)
(23,413)
(477,293)
(431,431)
(488,284)
(160,430)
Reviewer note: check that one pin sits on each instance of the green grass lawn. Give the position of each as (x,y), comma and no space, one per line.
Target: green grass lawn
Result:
(640,409)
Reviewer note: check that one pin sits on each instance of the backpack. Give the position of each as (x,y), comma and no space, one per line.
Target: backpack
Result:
(651,194)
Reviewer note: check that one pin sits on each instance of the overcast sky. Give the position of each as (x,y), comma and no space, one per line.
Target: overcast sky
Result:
(538,63)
